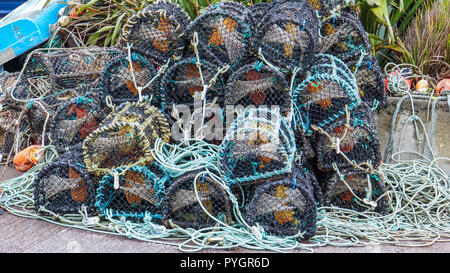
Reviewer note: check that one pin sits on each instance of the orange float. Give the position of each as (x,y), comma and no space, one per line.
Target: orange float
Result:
(443,85)
(27,158)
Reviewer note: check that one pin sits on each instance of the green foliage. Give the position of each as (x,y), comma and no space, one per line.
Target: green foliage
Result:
(425,41)
(385,21)
(99,21)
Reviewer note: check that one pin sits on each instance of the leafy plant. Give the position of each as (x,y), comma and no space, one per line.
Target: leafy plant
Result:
(384,20)
(98,22)
(426,41)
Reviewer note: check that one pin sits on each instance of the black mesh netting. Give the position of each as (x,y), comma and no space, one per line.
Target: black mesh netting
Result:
(130,78)
(7,82)
(344,36)
(157,32)
(359,141)
(185,81)
(259,11)
(259,85)
(258,145)
(63,187)
(137,191)
(192,199)
(322,98)
(21,125)
(125,137)
(51,73)
(284,207)
(360,192)
(74,120)
(305,150)
(370,81)
(287,36)
(225,30)
(328,7)
(8,118)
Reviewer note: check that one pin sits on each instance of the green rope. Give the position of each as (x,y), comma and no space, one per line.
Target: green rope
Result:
(417,191)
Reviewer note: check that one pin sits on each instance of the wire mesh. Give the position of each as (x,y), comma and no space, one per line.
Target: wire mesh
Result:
(344,36)
(63,187)
(129,79)
(138,190)
(193,200)
(358,191)
(225,30)
(258,85)
(185,81)
(125,137)
(51,72)
(359,141)
(157,32)
(74,120)
(322,98)
(283,207)
(369,80)
(288,34)
(258,145)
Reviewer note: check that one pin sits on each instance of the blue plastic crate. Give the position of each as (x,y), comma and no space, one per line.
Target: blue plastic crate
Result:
(26,27)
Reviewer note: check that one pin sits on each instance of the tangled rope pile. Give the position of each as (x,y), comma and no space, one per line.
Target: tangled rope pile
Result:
(304,175)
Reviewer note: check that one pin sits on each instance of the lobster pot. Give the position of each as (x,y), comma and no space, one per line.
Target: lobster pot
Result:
(67,68)
(7,82)
(322,98)
(63,187)
(185,81)
(8,118)
(326,8)
(359,142)
(125,138)
(193,200)
(258,145)
(369,80)
(287,36)
(358,187)
(74,120)
(157,32)
(138,190)
(329,64)
(129,79)
(258,85)
(32,88)
(344,36)
(224,29)
(24,90)
(20,127)
(283,207)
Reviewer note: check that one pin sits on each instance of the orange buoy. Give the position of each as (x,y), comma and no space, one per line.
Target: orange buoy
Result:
(27,158)
(443,85)
(422,86)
